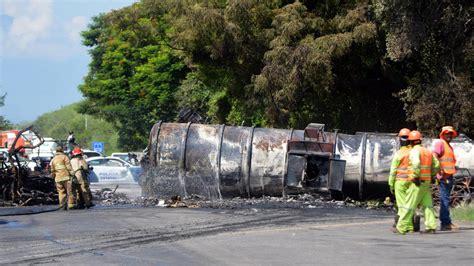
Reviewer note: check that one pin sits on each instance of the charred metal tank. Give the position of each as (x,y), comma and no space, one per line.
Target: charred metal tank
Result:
(217,161)
(368,157)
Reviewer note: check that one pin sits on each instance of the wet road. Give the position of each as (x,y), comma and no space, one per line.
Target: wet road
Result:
(251,236)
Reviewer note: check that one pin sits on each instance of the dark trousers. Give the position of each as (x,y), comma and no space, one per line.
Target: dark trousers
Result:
(445,187)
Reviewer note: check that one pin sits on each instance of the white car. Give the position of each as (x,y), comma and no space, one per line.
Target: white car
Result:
(112,169)
(45,151)
(31,164)
(89,154)
(131,157)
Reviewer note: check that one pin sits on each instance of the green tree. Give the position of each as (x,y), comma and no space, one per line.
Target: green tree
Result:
(4,123)
(353,65)
(430,44)
(224,42)
(324,65)
(87,129)
(134,74)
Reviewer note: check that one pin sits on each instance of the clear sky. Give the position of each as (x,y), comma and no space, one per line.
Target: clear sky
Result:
(42,60)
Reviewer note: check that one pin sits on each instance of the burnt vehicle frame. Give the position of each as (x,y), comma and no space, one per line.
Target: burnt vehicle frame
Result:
(18,185)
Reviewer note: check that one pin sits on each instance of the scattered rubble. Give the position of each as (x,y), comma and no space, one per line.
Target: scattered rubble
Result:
(107,196)
(18,185)
(302,201)
(38,190)
(35,190)
(110,197)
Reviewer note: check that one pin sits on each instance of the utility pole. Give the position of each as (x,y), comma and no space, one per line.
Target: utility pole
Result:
(85,121)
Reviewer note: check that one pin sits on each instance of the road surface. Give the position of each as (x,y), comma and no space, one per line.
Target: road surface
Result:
(250,236)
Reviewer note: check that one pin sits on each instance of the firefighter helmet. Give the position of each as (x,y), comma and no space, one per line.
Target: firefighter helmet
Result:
(76,151)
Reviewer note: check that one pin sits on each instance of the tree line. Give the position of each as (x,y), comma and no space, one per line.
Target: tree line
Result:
(87,129)
(354,65)
(4,123)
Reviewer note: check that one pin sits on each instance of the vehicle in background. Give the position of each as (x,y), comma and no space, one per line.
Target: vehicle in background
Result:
(7,137)
(32,165)
(44,153)
(131,157)
(4,152)
(90,154)
(113,169)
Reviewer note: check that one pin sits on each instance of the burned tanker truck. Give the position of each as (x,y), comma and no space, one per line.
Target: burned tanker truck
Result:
(219,161)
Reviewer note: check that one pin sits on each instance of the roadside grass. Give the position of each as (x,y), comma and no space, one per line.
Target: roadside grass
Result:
(463,212)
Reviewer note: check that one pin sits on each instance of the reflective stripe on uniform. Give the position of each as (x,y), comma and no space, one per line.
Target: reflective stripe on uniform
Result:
(402,177)
(59,167)
(402,169)
(446,160)
(60,179)
(425,171)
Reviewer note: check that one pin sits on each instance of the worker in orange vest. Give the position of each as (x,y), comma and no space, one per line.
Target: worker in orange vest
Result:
(398,178)
(423,166)
(444,152)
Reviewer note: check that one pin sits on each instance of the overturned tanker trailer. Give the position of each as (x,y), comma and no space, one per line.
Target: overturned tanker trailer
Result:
(219,161)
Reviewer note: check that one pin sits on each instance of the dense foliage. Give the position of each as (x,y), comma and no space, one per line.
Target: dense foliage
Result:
(4,123)
(87,129)
(354,65)
(133,75)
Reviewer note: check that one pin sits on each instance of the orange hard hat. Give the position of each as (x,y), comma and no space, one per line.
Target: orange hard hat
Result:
(448,129)
(414,135)
(76,151)
(404,132)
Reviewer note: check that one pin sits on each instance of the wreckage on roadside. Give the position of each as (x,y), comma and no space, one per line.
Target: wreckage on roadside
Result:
(18,184)
(219,161)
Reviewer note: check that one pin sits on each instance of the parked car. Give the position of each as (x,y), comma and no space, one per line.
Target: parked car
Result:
(112,169)
(131,157)
(91,154)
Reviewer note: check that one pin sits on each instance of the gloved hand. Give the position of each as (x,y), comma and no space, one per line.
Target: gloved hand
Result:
(417,182)
(392,190)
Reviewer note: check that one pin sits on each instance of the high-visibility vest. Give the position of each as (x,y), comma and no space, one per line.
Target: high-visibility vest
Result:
(426,160)
(402,169)
(447,160)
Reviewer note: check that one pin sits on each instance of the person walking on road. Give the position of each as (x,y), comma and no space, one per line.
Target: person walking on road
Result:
(61,171)
(398,179)
(444,152)
(423,166)
(80,169)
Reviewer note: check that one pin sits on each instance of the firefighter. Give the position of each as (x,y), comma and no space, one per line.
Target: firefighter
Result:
(423,166)
(61,171)
(398,179)
(80,168)
(444,152)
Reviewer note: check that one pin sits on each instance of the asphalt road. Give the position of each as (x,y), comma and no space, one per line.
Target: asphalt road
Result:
(251,236)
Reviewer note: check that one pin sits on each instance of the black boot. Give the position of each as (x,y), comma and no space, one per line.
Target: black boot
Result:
(416,223)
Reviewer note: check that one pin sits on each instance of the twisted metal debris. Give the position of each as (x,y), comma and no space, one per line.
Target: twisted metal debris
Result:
(18,185)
